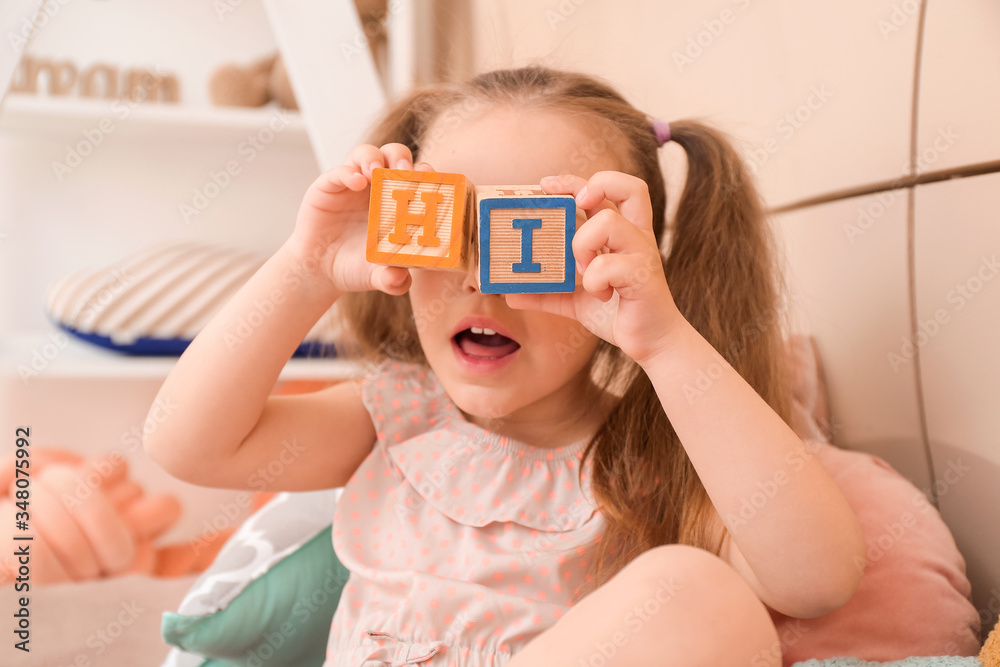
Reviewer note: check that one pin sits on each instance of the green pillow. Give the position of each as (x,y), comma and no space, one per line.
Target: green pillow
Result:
(269,596)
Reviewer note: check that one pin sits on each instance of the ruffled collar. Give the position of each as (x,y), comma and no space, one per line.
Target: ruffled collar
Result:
(476,476)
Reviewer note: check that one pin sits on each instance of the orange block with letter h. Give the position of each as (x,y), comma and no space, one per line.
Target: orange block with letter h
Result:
(419,218)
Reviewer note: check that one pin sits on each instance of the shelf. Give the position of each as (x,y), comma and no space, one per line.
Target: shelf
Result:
(75,359)
(43,113)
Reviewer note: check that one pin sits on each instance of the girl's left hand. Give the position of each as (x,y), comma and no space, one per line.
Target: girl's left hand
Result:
(625,299)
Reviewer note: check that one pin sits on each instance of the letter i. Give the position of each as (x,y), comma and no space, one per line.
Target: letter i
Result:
(526,225)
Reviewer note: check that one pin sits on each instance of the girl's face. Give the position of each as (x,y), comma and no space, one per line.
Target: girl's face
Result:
(533,372)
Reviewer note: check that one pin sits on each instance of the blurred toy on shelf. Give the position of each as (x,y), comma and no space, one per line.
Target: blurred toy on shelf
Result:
(253,85)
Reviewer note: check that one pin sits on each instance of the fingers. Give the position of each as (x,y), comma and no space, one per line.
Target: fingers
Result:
(338,179)
(609,229)
(563,184)
(568,184)
(631,194)
(367,157)
(612,273)
(556,303)
(393,280)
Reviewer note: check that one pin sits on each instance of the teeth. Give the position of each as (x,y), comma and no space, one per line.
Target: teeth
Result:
(476,330)
(489,332)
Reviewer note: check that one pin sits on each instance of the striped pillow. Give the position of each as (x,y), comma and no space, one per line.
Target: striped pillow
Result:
(154,302)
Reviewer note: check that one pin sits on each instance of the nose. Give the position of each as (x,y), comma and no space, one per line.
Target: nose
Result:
(469,283)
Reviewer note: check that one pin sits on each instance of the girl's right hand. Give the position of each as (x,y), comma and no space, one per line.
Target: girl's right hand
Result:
(332,223)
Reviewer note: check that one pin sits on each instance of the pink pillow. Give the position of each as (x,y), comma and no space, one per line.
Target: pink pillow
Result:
(914,597)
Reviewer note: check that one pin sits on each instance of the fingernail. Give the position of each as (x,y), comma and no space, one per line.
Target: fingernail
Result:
(581,194)
(546,180)
(373,166)
(403,163)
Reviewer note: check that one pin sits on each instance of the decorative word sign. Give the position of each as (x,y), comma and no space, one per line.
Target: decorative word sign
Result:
(98,80)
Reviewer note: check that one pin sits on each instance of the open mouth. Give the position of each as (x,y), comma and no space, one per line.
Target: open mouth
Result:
(484,344)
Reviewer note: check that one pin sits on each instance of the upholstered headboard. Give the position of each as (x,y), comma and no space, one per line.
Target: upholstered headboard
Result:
(899,282)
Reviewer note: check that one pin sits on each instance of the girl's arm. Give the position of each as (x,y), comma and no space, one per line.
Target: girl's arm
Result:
(794,537)
(220,427)
(213,421)
(800,548)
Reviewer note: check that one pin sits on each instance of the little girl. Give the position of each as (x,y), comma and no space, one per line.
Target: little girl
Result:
(537,480)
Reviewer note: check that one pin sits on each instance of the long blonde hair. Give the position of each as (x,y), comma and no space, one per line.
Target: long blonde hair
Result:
(721,270)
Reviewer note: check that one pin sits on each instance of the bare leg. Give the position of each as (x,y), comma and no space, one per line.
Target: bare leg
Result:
(672,606)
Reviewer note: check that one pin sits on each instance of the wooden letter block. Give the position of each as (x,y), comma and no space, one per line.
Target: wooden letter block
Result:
(419,218)
(525,240)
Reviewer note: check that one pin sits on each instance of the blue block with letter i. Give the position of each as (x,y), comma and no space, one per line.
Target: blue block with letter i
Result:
(525,240)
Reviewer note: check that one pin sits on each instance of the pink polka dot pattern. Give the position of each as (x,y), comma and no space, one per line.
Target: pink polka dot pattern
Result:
(463,545)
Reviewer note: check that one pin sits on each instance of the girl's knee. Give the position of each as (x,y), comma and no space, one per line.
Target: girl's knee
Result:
(680,562)
(695,574)
(709,594)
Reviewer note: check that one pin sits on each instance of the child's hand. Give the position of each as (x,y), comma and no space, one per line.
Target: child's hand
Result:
(625,299)
(332,222)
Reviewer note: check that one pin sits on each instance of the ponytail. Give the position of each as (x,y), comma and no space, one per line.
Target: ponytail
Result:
(722,268)
(722,274)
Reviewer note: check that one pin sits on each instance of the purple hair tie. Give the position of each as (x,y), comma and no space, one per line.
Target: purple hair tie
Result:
(662,130)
